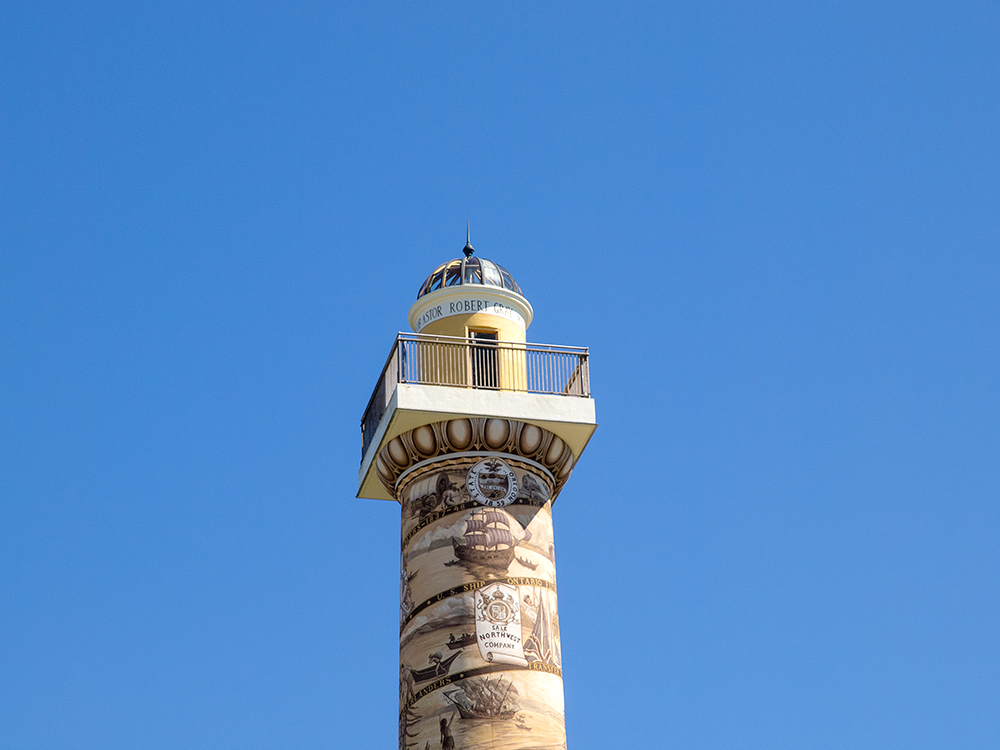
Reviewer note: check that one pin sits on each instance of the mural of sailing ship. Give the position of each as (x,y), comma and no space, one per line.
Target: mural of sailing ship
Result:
(467,639)
(439,667)
(487,541)
(486,698)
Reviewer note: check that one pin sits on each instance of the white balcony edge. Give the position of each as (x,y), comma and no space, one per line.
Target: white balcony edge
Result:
(572,418)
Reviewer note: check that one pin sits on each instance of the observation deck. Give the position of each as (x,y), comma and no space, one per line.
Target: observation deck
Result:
(430,378)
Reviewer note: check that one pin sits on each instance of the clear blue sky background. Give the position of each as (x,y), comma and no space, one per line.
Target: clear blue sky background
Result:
(777,226)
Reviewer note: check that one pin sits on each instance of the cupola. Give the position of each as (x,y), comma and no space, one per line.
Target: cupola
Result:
(468,295)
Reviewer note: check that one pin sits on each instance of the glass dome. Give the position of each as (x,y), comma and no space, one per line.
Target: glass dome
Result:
(469,270)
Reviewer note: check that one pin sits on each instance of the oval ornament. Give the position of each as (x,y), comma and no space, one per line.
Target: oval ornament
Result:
(492,482)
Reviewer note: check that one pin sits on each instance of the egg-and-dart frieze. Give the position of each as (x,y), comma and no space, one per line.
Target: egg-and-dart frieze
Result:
(474,434)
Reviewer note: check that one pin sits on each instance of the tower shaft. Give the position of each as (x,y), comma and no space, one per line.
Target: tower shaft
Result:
(474,432)
(479,630)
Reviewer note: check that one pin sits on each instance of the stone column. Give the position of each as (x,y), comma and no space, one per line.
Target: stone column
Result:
(480,661)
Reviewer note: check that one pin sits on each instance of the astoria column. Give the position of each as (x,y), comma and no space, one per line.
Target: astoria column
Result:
(474,432)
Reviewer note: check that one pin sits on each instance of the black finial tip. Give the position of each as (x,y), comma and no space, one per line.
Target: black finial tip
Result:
(468,249)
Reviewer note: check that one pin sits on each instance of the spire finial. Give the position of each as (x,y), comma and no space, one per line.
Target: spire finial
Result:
(468,249)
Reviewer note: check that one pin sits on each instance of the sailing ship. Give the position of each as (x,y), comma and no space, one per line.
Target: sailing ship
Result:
(483,698)
(487,540)
(467,639)
(438,668)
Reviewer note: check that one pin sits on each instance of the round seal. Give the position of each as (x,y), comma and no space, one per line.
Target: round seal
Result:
(492,482)
(500,612)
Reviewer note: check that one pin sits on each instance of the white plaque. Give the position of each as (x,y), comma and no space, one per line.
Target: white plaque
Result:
(498,624)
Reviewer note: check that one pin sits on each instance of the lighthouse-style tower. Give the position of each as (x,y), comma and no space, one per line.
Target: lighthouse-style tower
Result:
(474,432)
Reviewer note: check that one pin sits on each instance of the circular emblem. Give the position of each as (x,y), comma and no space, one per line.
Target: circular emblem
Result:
(500,612)
(497,608)
(492,482)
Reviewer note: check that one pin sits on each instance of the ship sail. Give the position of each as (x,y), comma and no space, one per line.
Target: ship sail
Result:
(488,529)
(497,517)
(496,537)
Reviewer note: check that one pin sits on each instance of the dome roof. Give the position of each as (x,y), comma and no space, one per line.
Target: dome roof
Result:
(469,270)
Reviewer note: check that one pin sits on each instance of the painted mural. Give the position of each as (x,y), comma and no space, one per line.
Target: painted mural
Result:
(480,658)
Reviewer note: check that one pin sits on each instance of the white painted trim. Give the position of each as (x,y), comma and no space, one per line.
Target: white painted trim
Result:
(467,299)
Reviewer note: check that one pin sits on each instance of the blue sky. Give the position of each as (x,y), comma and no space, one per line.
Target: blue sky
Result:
(775,225)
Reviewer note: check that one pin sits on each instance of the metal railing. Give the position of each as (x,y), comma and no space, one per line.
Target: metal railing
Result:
(476,363)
